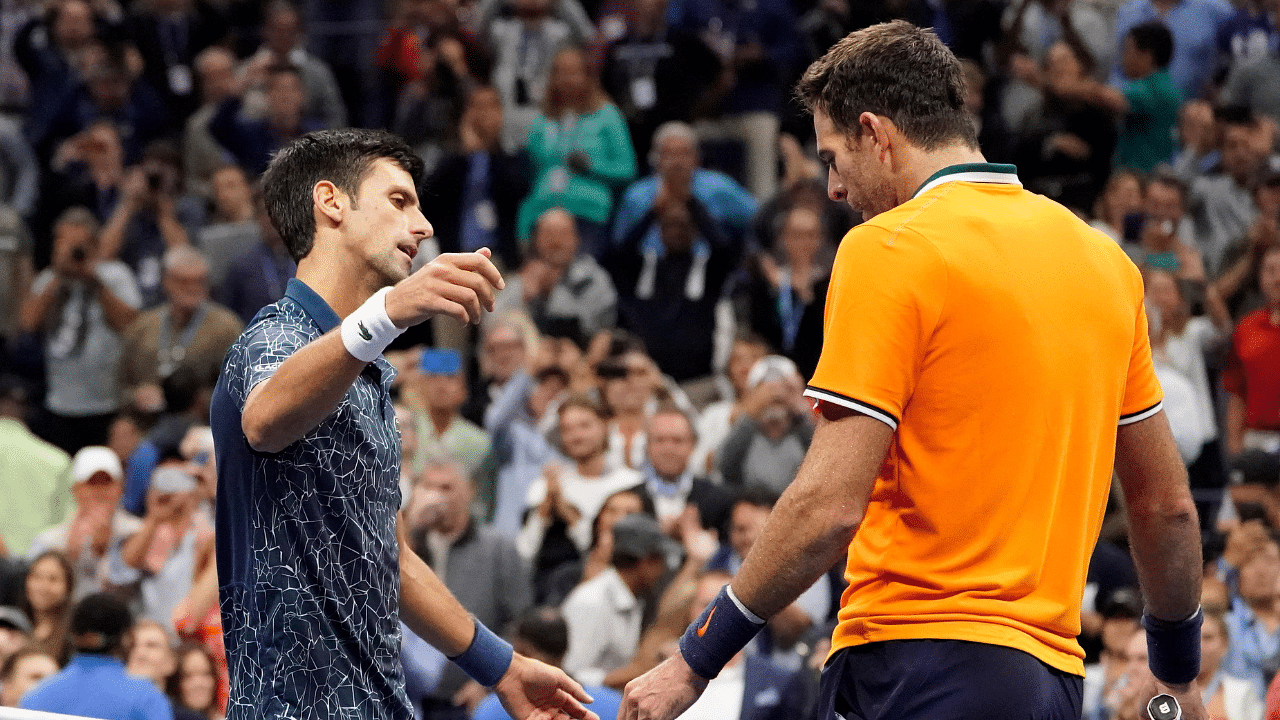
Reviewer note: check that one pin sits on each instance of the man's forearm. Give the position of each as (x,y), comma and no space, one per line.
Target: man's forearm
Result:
(301,393)
(427,606)
(818,515)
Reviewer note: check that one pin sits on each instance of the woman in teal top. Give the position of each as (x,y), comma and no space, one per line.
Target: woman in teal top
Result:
(581,152)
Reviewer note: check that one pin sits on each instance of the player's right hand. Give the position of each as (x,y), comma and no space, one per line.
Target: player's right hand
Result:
(1188,697)
(532,690)
(663,693)
(460,285)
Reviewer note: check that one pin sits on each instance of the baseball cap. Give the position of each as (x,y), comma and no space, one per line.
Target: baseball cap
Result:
(94,459)
(440,361)
(13,617)
(771,367)
(170,479)
(639,535)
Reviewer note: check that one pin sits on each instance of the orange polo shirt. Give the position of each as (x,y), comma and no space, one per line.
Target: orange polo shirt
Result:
(1004,340)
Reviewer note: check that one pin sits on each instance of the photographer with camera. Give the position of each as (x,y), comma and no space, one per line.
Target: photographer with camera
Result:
(82,302)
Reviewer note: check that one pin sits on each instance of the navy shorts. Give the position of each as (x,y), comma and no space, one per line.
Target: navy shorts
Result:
(945,680)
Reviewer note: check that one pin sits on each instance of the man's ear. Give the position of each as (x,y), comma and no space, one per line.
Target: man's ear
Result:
(328,202)
(881,131)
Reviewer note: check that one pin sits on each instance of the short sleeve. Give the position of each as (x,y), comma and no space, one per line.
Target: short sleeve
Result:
(256,355)
(119,279)
(1142,393)
(886,295)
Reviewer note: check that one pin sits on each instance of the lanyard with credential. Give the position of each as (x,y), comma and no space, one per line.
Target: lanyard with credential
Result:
(171,357)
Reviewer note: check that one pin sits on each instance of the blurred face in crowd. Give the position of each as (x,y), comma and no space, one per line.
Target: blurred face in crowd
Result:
(1240,157)
(217,70)
(484,112)
(708,588)
(649,14)
(628,395)
(73,24)
(801,237)
(100,492)
(583,433)
(1213,643)
(187,286)
(569,78)
(1162,291)
(1215,598)
(68,236)
(556,238)
(151,654)
(677,158)
(280,29)
(742,356)
(618,506)
(285,96)
(503,352)
(1116,633)
(198,684)
(1124,195)
(108,86)
(232,196)
(1269,277)
(1163,203)
(445,487)
(1260,575)
(670,443)
(548,388)
(745,525)
(27,671)
(48,587)
(1135,62)
(1135,655)
(444,393)
(1196,124)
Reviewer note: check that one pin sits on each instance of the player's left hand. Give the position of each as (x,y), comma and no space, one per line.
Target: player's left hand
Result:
(532,690)
(662,693)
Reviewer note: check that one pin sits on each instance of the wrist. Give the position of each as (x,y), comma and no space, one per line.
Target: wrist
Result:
(1173,648)
(722,630)
(369,330)
(487,658)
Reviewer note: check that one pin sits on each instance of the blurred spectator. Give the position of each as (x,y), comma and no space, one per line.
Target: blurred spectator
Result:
(674,158)
(201,154)
(604,613)
(97,524)
(668,294)
(1125,701)
(523,46)
(1254,620)
(1066,153)
(784,299)
(157,565)
(1222,203)
(34,475)
(22,671)
(170,34)
(760,48)
(252,141)
(719,416)
(553,587)
(507,342)
(231,229)
(1238,280)
(676,486)
(565,498)
(16,270)
(1198,139)
(258,276)
(829,21)
(19,171)
(772,433)
(1184,341)
(1189,426)
(1119,622)
(580,150)
(95,682)
(1226,696)
(187,331)
(282,45)
(183,403)
(969,28)
(1252,385)
(803,185)
(1035,26)
(473,196)
(565,293)
(1248,35)
(193,686)
(1119,206)
(542,634)
(656,72)
(442,432)
(49,593)
(154,213)
(52,49)
(629,385)
(87,170)
(479,566)
(15,633)
(150,654)
(1193,25)
(1161,238)
(82,303)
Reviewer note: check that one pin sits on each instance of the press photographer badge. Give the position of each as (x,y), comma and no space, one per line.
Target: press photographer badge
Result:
(486,216)
(558,179)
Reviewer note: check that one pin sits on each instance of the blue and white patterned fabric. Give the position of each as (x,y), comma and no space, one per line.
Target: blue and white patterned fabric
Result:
(306,539)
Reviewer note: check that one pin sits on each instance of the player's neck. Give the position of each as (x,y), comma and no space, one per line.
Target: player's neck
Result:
(334,283)
(920,165)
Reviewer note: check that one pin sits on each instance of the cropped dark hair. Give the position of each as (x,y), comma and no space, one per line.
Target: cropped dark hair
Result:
(545,629)
(898,71)
(343,157)
(758,495)
(1154,37)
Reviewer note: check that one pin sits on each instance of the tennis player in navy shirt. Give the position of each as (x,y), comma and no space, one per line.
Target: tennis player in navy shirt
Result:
(315,570)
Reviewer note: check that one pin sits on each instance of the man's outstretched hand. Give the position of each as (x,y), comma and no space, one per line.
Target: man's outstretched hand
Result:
(532,690)
(662,693)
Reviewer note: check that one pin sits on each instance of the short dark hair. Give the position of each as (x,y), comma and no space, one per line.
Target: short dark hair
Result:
(1238,115)
(99,624)
(898,71)
(1167,178)
(343,157)
(545,629)
(758,495)
(1154,37)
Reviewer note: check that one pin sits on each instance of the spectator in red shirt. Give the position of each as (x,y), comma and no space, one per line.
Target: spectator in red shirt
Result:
(1251,380)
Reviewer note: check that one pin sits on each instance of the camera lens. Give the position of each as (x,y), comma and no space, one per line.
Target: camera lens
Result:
(153,181)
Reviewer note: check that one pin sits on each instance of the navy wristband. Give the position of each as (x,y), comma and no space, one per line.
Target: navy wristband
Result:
(1173,648)
(719,633)
(487,658)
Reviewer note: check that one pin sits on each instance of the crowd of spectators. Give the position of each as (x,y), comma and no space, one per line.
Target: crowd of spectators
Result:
(587,466)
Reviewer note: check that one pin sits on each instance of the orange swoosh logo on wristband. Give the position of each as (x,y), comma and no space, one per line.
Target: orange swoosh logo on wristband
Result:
(703,630)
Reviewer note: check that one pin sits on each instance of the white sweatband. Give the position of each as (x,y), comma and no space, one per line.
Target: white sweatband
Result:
(368,331)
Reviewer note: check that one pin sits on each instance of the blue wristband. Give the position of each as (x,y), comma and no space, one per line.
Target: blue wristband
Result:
(1173,648)
(719,633)
(487,658)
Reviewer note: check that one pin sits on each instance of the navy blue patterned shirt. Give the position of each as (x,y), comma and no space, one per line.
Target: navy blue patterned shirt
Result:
(306,538)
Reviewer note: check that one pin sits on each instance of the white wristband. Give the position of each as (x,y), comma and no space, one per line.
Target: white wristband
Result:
(368,331)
